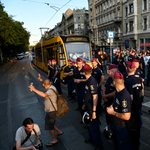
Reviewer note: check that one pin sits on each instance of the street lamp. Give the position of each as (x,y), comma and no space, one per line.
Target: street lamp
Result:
(41,44)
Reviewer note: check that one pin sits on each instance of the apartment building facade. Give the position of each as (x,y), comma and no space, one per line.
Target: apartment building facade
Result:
(137,23)
(104,16)
(73,22)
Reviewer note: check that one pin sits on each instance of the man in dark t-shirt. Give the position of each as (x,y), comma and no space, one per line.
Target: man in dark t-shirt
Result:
(68,71)
(90,104)
(121,112)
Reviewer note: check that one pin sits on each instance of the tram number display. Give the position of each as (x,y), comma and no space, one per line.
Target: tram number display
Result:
(77,39)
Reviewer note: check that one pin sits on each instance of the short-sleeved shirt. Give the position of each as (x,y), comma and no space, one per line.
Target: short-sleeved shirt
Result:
(109,89)
(130,58)
(97,73)
(21,135)
(121,61)
(138,72)
(50,69)
(121,104)
(143,63)
(56,68)
(134,86)
(90,90)
(67,69)
(79,75)
(47,103)
(99,58)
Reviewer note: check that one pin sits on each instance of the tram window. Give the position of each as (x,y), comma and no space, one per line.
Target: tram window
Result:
(50,54)
(62,57)
(39,55)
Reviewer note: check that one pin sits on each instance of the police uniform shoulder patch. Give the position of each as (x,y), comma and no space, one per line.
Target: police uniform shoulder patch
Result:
(92,87)
(124,103)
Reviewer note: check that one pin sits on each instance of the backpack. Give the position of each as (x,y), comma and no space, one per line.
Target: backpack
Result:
(62,105)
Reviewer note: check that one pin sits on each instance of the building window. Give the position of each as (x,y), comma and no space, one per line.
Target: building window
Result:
(118,1)
(104,6)
(110,3)
(145,4)
(131,26)
(126,11)
(126,27)
(145,23)
(91,13)
(78,18)
(114,2)
(107,5)
(79,27)
(118,12)
(131,8)
(91,1)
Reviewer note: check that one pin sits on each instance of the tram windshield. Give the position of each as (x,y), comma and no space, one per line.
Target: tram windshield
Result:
(78,49)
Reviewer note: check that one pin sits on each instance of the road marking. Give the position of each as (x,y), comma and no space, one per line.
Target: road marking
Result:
(147,104)
(31,66)
(75,141)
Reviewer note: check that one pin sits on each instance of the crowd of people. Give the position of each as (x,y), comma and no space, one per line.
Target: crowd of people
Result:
(121,98)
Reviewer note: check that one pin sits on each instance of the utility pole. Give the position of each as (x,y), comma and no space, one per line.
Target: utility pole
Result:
(42,44)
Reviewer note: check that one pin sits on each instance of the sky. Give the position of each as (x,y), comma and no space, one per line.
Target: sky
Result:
(36,14)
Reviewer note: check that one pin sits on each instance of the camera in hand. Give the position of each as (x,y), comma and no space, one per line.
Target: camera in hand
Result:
(39,146)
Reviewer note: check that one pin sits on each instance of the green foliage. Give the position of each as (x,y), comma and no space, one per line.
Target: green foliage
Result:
(13,36)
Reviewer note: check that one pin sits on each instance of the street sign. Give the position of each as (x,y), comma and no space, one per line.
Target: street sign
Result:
(111,34)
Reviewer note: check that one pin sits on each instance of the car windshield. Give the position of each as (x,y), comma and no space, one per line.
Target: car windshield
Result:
(78,49)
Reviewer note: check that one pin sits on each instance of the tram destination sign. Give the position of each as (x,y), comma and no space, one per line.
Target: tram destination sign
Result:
(77,39)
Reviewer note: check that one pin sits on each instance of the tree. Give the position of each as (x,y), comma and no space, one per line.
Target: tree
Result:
(13,36)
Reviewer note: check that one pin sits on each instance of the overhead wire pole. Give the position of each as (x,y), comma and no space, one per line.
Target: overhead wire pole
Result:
(42,45)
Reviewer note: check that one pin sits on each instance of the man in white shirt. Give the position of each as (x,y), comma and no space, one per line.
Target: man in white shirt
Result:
(28,127)
(50,109)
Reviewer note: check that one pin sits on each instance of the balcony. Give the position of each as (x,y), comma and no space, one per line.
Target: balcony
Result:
(117,19)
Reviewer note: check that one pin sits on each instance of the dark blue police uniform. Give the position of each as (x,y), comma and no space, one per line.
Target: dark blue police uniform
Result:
(97,73)
(51,72)
(70,81)
(109,89)
(131,57)
(121,104)
(57,83)
(122,68)
(143,69)
(90,90)
(134,87)
(80,88)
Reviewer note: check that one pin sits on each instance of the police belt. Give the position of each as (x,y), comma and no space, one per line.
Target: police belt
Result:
(119,123)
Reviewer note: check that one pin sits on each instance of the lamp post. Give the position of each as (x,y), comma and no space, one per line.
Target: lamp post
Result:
(42,45)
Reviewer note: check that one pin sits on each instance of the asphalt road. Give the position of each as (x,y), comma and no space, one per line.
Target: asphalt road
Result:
(17,102)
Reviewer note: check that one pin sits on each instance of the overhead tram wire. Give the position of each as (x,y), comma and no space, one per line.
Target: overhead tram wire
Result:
(54,7)
(57,11)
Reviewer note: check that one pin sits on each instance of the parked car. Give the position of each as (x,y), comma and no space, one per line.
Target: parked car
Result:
(20,56)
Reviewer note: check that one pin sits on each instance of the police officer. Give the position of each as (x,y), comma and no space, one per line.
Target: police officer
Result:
(142,65)
(132,55)
(122,65)
(50,70)
(68,71)
(109,92)
(56,76)
(120,111)
(90,104)
(99,76)
(138,73)
(80,80)
(134,87)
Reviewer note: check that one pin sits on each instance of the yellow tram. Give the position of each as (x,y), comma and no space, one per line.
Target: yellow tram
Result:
(63,48)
